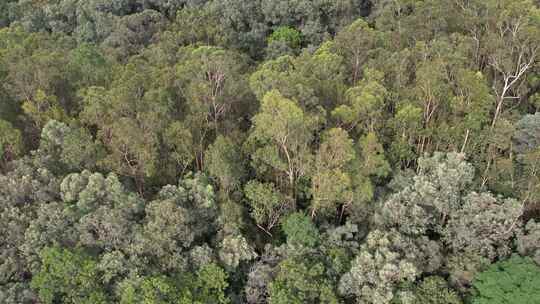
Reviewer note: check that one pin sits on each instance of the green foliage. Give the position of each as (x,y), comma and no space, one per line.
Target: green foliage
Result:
(331,181)
(179,141)
(354,43)
(10,141)
(43,108)
(301,282)
(150,290)
(280,138)
(235,249)
(89,66)
(225,163)
(372,158)
(80,151)
(525,143)
(440,183)
(315,80)
(512,281)
(68,277)
(207,285)
(435,290)
(212,83)
(177,219)
(247,25)
(394,143)
(366,104)
(369,168)
(267,204)
(291,37)
(129,117)
(300,230)
(197,25)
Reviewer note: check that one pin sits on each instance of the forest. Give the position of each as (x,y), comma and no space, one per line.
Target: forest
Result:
(269,151)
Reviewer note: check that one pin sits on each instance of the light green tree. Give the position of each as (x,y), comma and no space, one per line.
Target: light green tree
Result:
(225,163)
(331,182)
(69,277)
(280,141)
(267,204)
(365,104)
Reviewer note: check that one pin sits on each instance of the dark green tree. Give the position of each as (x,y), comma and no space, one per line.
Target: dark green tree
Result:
(512,281)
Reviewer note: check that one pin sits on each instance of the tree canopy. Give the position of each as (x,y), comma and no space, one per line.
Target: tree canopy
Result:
(269,151)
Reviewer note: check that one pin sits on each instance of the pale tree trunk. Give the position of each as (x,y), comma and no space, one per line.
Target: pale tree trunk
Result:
(526,57)
(465,141)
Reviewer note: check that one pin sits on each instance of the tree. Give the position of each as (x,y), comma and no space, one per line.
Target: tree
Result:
(528,241)
(480,213)
(438,204)
(197,24)
(106,212)
(154,290)
(68,277)
(355,42)
(179,218)
(5,19)
(512,37)
(10,142)
(300,230)
(384,261)
(13,268)
(225,163)
(259,278)
(23,188)
(525,143)
(132,32)
(33,79)
(470,108)
(43,108)
(247,25)
(511,281)
(179,142)
(407,124)
(234,250)
(301,282)
(212,83)
(432,93)
(206,285)
(209,286)
(510,45)
(130,118)
(72,147)
(88,66)
(283,40)
(267,204)
(80,150)
(433,195)
(368,169)
(366,104)
(435,290)
(280,139)
(388,150)
(331,182)
(315,80)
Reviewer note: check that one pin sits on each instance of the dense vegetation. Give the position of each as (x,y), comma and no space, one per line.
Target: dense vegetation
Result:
(269,151)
